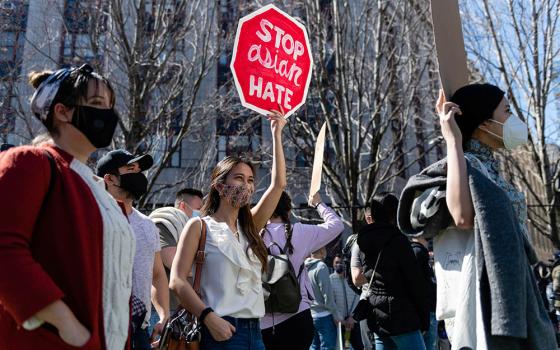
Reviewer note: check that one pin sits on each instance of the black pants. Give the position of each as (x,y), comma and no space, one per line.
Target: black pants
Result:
(296,333)
(141,340)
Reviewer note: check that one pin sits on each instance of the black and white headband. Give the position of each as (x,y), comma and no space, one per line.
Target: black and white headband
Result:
(46,92)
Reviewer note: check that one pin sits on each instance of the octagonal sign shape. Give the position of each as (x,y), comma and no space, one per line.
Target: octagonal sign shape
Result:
(271,61)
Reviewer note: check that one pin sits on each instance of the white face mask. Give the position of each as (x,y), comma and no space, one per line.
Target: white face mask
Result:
(514,130)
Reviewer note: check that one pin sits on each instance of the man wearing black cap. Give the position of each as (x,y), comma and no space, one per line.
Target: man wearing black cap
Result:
(124,180)
(5,147)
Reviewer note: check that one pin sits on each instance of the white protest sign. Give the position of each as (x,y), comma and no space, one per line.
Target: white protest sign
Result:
(318,162)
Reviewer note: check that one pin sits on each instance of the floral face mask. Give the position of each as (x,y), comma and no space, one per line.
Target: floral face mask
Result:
(236,195)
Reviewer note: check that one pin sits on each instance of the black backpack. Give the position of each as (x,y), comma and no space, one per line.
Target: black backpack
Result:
(347,258)
(280,283)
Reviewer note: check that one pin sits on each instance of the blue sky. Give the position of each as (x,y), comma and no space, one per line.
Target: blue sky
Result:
(481,50)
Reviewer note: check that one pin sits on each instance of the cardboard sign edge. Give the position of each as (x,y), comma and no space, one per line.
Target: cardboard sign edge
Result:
(323,127)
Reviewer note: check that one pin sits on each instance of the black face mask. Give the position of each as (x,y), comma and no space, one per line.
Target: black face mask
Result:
(97,124)
(134,183)
(339,268)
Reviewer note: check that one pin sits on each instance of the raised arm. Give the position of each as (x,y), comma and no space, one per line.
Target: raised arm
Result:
(265,207)
(458,195)
(320,235)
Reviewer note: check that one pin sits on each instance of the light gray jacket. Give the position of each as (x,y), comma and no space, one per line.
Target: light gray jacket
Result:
(318,273)
(344,297)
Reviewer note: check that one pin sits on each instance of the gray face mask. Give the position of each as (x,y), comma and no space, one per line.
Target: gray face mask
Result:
(514,130)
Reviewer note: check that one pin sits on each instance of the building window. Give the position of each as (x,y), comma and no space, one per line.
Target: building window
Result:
(301,160)
(13,16)
(76,46)
(229,14)
(7,116)
(239,137)
(162,146)
(175,160)
(238,146)
(224,73)
(8,44)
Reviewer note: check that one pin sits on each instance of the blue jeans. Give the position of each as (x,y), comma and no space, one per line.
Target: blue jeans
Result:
(406,341)
(247,336)
(430,336)
(325,333)
(154,318)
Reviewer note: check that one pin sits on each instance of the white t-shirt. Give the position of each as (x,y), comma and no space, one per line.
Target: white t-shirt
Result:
(231,281)
(147,244)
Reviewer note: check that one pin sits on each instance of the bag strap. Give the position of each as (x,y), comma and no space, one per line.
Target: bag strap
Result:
(374,269)
(52,165)
(274,244)
(53,172)
(199,258)
(376,263)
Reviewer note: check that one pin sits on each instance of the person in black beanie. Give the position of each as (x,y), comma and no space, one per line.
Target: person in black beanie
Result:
(472,282)
(477,103)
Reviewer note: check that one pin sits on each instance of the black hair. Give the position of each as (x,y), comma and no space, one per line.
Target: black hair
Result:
(477,103)
(190,192)
(282,211)
(181,194)
(384,208)
(283,207)
(114,172)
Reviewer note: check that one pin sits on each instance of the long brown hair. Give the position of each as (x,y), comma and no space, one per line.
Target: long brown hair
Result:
(212,202)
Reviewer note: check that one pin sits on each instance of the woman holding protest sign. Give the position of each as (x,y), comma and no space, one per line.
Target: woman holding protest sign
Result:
(487,293)
(66,248)
(231,298)
(282,329)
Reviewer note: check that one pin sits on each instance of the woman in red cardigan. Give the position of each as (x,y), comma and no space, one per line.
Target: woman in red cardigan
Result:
(66,249)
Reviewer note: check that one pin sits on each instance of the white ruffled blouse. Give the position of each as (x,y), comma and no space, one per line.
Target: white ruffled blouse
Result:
(231,278)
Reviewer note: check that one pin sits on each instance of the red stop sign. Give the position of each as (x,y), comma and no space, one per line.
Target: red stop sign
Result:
(271,61)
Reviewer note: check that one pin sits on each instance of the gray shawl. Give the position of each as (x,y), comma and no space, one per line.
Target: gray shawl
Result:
(513,312)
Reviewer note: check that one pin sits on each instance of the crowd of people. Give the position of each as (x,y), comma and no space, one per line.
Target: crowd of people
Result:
(81,267)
